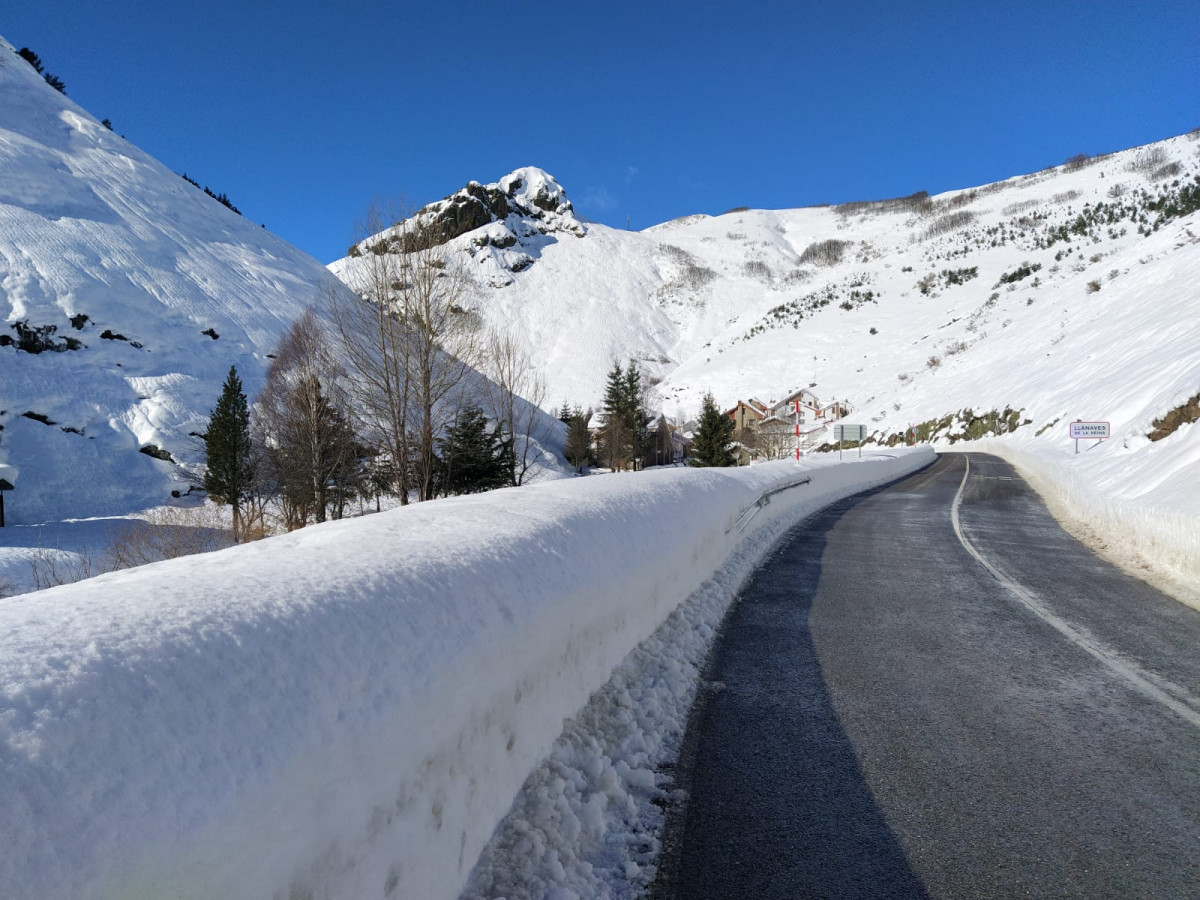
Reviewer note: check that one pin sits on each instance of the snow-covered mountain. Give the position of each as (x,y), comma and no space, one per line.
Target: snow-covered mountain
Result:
(1069,293)
(846,298)
(149,289)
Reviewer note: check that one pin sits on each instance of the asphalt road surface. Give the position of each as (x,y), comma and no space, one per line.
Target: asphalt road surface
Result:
(931,690)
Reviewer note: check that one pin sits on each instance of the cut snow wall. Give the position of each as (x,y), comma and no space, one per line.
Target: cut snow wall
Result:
(348,710)
(1154,543)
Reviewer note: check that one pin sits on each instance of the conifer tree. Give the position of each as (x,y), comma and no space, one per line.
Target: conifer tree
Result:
(313,447)
(635,414)
(471,458)
(229,472)
(713,437)
(579,439)
(32,58)
(624,438)
(614,450)
(614,391)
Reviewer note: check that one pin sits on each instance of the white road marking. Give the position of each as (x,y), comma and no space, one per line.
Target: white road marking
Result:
(1162,691)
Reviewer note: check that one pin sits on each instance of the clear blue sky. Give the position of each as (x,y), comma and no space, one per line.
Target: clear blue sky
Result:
(303,112)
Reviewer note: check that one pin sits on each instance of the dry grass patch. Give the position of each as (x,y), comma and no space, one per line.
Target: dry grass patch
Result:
(1181,415)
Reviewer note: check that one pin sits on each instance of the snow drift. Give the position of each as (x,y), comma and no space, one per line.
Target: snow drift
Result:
(347,710)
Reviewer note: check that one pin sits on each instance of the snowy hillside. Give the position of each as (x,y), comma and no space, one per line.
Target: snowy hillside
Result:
(148,289)
(1070,293)
(752,303)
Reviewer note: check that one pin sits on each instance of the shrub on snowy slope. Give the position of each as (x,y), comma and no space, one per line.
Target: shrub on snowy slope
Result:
(34,60)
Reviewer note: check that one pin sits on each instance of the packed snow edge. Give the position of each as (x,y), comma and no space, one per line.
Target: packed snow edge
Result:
(348,706)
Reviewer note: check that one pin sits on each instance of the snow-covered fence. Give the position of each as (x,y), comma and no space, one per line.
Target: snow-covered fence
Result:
(348,710)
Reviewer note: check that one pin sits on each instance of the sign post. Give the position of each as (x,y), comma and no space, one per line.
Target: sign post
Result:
(1089,431)
(850,433)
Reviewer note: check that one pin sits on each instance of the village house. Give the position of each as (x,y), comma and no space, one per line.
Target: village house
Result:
(667,442)
(763,431)
(747,414)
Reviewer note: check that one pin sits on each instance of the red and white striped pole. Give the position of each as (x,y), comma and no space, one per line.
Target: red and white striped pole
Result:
(797,431)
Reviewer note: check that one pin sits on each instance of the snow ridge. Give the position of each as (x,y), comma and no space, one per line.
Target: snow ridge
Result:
(253,723)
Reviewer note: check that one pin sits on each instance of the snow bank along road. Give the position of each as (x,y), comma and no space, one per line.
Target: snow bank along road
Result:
(348,710)
(932,690)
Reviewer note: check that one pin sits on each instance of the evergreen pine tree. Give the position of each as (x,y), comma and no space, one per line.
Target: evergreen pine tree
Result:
(229,472)
(32,58)
(472,459)
(312,446)
(614,392)
(615,450)
(506,458)
(347,472)
(713,436)
(624,440)
(635,414)
(579,439)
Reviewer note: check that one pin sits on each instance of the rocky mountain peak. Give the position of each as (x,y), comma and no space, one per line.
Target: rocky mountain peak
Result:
(530,194)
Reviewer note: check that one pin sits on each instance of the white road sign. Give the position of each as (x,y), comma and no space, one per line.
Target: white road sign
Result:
(849,432)
(1090,430)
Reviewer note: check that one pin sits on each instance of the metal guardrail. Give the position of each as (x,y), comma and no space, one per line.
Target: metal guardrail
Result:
(764,499)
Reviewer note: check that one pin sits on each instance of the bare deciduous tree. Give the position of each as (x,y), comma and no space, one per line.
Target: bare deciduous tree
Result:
(306,430)
(446,345)
(410,343)
(776,438)
(373,337)
(515,393)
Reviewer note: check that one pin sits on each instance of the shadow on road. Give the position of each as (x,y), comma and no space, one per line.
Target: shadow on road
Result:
(777,804)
